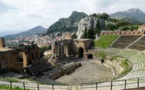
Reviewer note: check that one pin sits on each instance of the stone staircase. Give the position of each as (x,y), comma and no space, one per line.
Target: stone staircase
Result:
(135,41)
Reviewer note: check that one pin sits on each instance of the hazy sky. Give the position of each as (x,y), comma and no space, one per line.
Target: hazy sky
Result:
(25,14)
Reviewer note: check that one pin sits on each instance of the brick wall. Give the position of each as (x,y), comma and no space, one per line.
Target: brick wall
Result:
(135,32)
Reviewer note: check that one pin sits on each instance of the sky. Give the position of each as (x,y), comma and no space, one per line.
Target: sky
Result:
(20,15)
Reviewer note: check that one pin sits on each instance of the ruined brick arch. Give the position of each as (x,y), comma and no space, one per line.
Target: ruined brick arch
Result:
(25,59)
(80,52)
(76,47)
(20,57)
(67,49)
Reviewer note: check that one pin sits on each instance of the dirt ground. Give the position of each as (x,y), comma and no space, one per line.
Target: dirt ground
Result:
(90,71)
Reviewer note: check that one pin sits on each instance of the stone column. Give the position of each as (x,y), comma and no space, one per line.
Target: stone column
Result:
(25,59)
(67,51)
(57,50)
(62,49)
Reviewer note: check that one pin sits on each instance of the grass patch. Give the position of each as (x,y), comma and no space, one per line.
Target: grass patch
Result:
(5,87)
(104,41)
(101,55)
(9,79)
(31,79)
(126,66)
(124,63)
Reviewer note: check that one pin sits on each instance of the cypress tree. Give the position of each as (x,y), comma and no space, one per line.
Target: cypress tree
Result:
(91,34)
(98,27)
(85,34)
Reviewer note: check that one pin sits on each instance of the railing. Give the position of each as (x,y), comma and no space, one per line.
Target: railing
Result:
(115,85)
(110,85)
(34,86)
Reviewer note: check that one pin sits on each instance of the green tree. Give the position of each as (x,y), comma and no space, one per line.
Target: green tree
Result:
(121,23)
(131,28)
(111,27)
(104,16)
(90,34)
(74,36)
(85,34)
(112,20)
(94,15)
(97,30)
(43,49)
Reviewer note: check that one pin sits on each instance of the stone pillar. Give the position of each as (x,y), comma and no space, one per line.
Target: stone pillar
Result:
(67,51)
(2,42)
(39,53)
(25,59)
(58,50)
(64,49)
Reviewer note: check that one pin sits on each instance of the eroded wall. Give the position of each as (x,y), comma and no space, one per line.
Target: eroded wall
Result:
(135,32)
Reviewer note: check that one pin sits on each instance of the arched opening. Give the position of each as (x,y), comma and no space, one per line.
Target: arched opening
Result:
(90,56)
(92,44)
(80,52)
(32,55)
(36,55)
(20,58)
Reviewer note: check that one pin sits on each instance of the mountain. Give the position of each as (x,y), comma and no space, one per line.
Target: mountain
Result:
(33,31)
(131,20)
(134,13)
(67,24)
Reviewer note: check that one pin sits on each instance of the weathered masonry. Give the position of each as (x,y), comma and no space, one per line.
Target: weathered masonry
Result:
(20,57)
(70,47)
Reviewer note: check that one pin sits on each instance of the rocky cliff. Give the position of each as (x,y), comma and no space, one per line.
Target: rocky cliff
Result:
(88,23)
(67,24)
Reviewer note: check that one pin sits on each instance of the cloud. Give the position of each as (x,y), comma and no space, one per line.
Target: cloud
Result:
(26,14)
(4,8)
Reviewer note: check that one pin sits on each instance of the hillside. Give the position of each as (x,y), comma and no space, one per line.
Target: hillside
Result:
(67,24)
(104,41)
(33,31)
(131,20)
(134,13)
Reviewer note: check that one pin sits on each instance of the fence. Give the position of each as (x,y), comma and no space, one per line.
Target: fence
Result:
(115,85)
(111,85)
(35,86)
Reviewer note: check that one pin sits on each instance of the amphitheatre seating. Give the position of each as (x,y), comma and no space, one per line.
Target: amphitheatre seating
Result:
(112,51)
(124,41)
(139,45)
(126,53)
(138,69)
(136,57)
